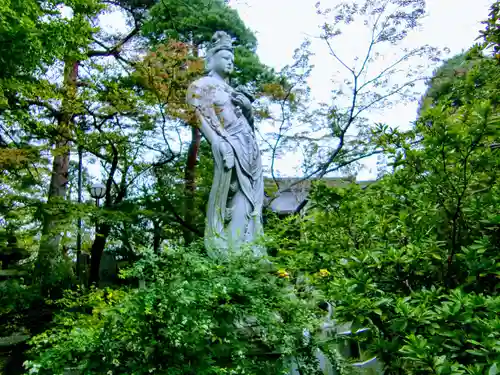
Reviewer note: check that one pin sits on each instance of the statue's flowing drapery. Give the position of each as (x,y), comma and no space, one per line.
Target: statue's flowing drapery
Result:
(234,212)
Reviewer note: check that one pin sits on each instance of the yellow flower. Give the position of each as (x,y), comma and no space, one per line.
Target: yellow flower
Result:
(324,272)
(283,273)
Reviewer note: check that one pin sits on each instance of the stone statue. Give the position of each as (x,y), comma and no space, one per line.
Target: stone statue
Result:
(234,212)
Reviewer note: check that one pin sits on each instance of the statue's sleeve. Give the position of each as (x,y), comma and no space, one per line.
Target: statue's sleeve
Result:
(194,95)
(200,96)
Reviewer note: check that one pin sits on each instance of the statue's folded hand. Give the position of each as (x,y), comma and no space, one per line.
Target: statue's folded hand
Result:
(241,101)
(229,160)
(227,155)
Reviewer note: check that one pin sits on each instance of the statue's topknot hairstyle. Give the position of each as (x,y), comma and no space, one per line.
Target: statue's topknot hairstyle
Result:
(220,41)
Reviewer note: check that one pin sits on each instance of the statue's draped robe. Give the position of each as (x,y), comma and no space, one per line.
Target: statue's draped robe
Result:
(234,212)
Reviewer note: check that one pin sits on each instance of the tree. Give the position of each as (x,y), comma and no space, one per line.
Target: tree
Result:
(79,54)
(340,135)
(28,91)
(30,42)
(491,33)
(282,104)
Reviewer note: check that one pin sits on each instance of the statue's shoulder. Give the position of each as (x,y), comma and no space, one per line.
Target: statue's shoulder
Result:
(204,82)
(202,89)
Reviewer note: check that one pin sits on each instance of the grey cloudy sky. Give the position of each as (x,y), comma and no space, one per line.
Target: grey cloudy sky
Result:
(282,25)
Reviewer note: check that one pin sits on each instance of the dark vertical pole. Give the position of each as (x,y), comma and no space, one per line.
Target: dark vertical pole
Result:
(79,233)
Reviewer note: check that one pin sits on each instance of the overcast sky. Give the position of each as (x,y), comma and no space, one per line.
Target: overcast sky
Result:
(282,25)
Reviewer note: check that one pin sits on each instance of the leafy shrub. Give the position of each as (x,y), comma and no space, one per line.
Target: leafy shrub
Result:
(194,316)
(415,256)
(16,301)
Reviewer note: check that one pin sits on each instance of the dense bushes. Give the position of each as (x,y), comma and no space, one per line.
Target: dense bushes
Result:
(193,317)
(416,256)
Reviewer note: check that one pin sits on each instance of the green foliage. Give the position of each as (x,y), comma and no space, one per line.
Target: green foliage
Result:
(16,300)
(195,22)
(415,256)
(193,317)
(491,33)
(34,34)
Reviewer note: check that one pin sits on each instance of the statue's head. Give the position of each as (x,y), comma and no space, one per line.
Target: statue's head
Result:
(220,57)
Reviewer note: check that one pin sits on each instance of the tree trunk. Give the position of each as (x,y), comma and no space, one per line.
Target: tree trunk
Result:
(190,182)
(103,230)
(49,256)
(97,250)
(79,222)
(157,236)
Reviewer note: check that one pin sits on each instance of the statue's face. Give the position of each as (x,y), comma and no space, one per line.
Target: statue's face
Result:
(222,63)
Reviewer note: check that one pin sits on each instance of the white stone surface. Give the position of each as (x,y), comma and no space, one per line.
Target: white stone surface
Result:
(234,212)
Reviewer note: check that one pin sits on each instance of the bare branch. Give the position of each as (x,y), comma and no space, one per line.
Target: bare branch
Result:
(116,49)
(373,40)
(353,160)
(332,52)
(384,71)
(382,97)
(280,130)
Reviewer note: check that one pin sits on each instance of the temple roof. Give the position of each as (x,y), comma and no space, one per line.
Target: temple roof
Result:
(288,201)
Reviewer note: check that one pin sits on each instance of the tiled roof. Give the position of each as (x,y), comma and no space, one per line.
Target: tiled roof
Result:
(288,201)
